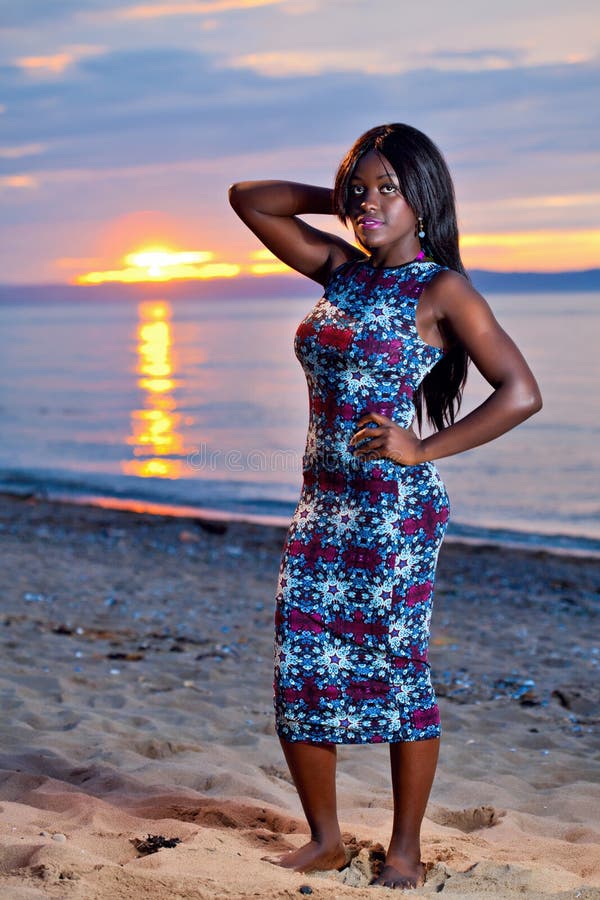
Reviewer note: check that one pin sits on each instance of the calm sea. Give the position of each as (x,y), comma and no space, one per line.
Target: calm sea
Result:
(204,405)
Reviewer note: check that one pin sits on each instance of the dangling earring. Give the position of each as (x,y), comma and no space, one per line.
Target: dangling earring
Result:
(421,231)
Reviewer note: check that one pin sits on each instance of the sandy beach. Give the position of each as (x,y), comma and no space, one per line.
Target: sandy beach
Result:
(136,697)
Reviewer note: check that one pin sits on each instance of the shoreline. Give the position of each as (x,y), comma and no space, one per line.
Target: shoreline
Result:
(473,536)
(137,698)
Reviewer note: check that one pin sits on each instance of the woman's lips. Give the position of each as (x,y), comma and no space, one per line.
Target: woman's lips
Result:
(370,223)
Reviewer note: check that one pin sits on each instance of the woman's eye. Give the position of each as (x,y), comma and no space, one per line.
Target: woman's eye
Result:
(388,188)
(356,189)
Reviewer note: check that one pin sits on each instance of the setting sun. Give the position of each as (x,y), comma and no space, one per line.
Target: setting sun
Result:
(163,264)
(158,261)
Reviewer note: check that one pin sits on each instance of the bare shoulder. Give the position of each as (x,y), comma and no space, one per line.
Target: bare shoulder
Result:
(337,250)
(341,252)
(453,298)
(449,286)
(459,313)
(344,251)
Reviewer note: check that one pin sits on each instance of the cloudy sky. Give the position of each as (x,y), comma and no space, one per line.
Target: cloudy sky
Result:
(123,123)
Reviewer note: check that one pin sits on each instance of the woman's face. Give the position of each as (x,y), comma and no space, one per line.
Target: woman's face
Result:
(380,216)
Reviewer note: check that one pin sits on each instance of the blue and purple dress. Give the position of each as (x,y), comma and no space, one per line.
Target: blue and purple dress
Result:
(355,586)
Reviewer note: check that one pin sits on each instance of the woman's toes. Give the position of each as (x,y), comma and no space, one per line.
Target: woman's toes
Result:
(391,877)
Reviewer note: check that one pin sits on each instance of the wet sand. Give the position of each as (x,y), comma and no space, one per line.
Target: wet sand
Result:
(136,696)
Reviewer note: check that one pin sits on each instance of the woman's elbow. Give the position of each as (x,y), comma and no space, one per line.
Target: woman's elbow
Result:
(538,402)
(242,197)
(234,194)
(530,400)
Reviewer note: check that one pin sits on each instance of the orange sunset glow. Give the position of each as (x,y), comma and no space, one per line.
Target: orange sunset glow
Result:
(532,251)
(535,250)
(161,263)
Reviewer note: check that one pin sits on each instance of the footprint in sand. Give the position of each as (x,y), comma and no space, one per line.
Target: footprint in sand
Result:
(258,825)
(467,819)
(277,773)
(152,748)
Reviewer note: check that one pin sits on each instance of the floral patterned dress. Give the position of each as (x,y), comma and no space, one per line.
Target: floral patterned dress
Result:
(355,586)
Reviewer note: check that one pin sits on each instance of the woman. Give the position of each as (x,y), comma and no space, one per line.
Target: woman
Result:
(393,333)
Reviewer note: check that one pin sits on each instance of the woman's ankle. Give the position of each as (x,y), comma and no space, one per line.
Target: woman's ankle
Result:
(405,847)
(329,838)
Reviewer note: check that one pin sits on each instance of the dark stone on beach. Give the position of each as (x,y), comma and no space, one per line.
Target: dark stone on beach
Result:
(529,698)
(129,657)
(212,527)
(153,843)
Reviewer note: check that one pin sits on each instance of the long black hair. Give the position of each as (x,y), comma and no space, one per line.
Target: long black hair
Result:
(426,184)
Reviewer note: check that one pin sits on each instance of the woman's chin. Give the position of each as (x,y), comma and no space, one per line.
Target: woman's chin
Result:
(366,241)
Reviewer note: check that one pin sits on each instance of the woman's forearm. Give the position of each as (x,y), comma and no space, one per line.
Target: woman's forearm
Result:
(507,407)
(281,198)
(274,210)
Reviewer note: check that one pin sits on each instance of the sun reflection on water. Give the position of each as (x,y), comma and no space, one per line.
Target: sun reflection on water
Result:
(156,438)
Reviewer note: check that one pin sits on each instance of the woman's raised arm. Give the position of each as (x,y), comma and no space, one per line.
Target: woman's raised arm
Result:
(271,210)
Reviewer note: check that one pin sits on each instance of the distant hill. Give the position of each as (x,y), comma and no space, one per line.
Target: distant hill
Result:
(535,282)
(278,286)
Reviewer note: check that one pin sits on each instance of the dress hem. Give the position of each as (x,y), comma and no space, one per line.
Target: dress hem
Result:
(338,736)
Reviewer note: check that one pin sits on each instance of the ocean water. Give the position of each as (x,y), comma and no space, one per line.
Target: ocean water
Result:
(203,405)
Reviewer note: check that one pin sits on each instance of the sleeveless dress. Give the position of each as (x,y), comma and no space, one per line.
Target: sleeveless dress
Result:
(355,586)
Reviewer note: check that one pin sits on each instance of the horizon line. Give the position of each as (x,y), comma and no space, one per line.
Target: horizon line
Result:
(292,276)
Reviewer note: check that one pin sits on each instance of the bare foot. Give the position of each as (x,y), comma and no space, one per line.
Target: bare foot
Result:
(401,873)
(312,857)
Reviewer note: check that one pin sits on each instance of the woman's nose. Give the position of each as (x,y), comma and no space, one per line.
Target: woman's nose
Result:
(369,200)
